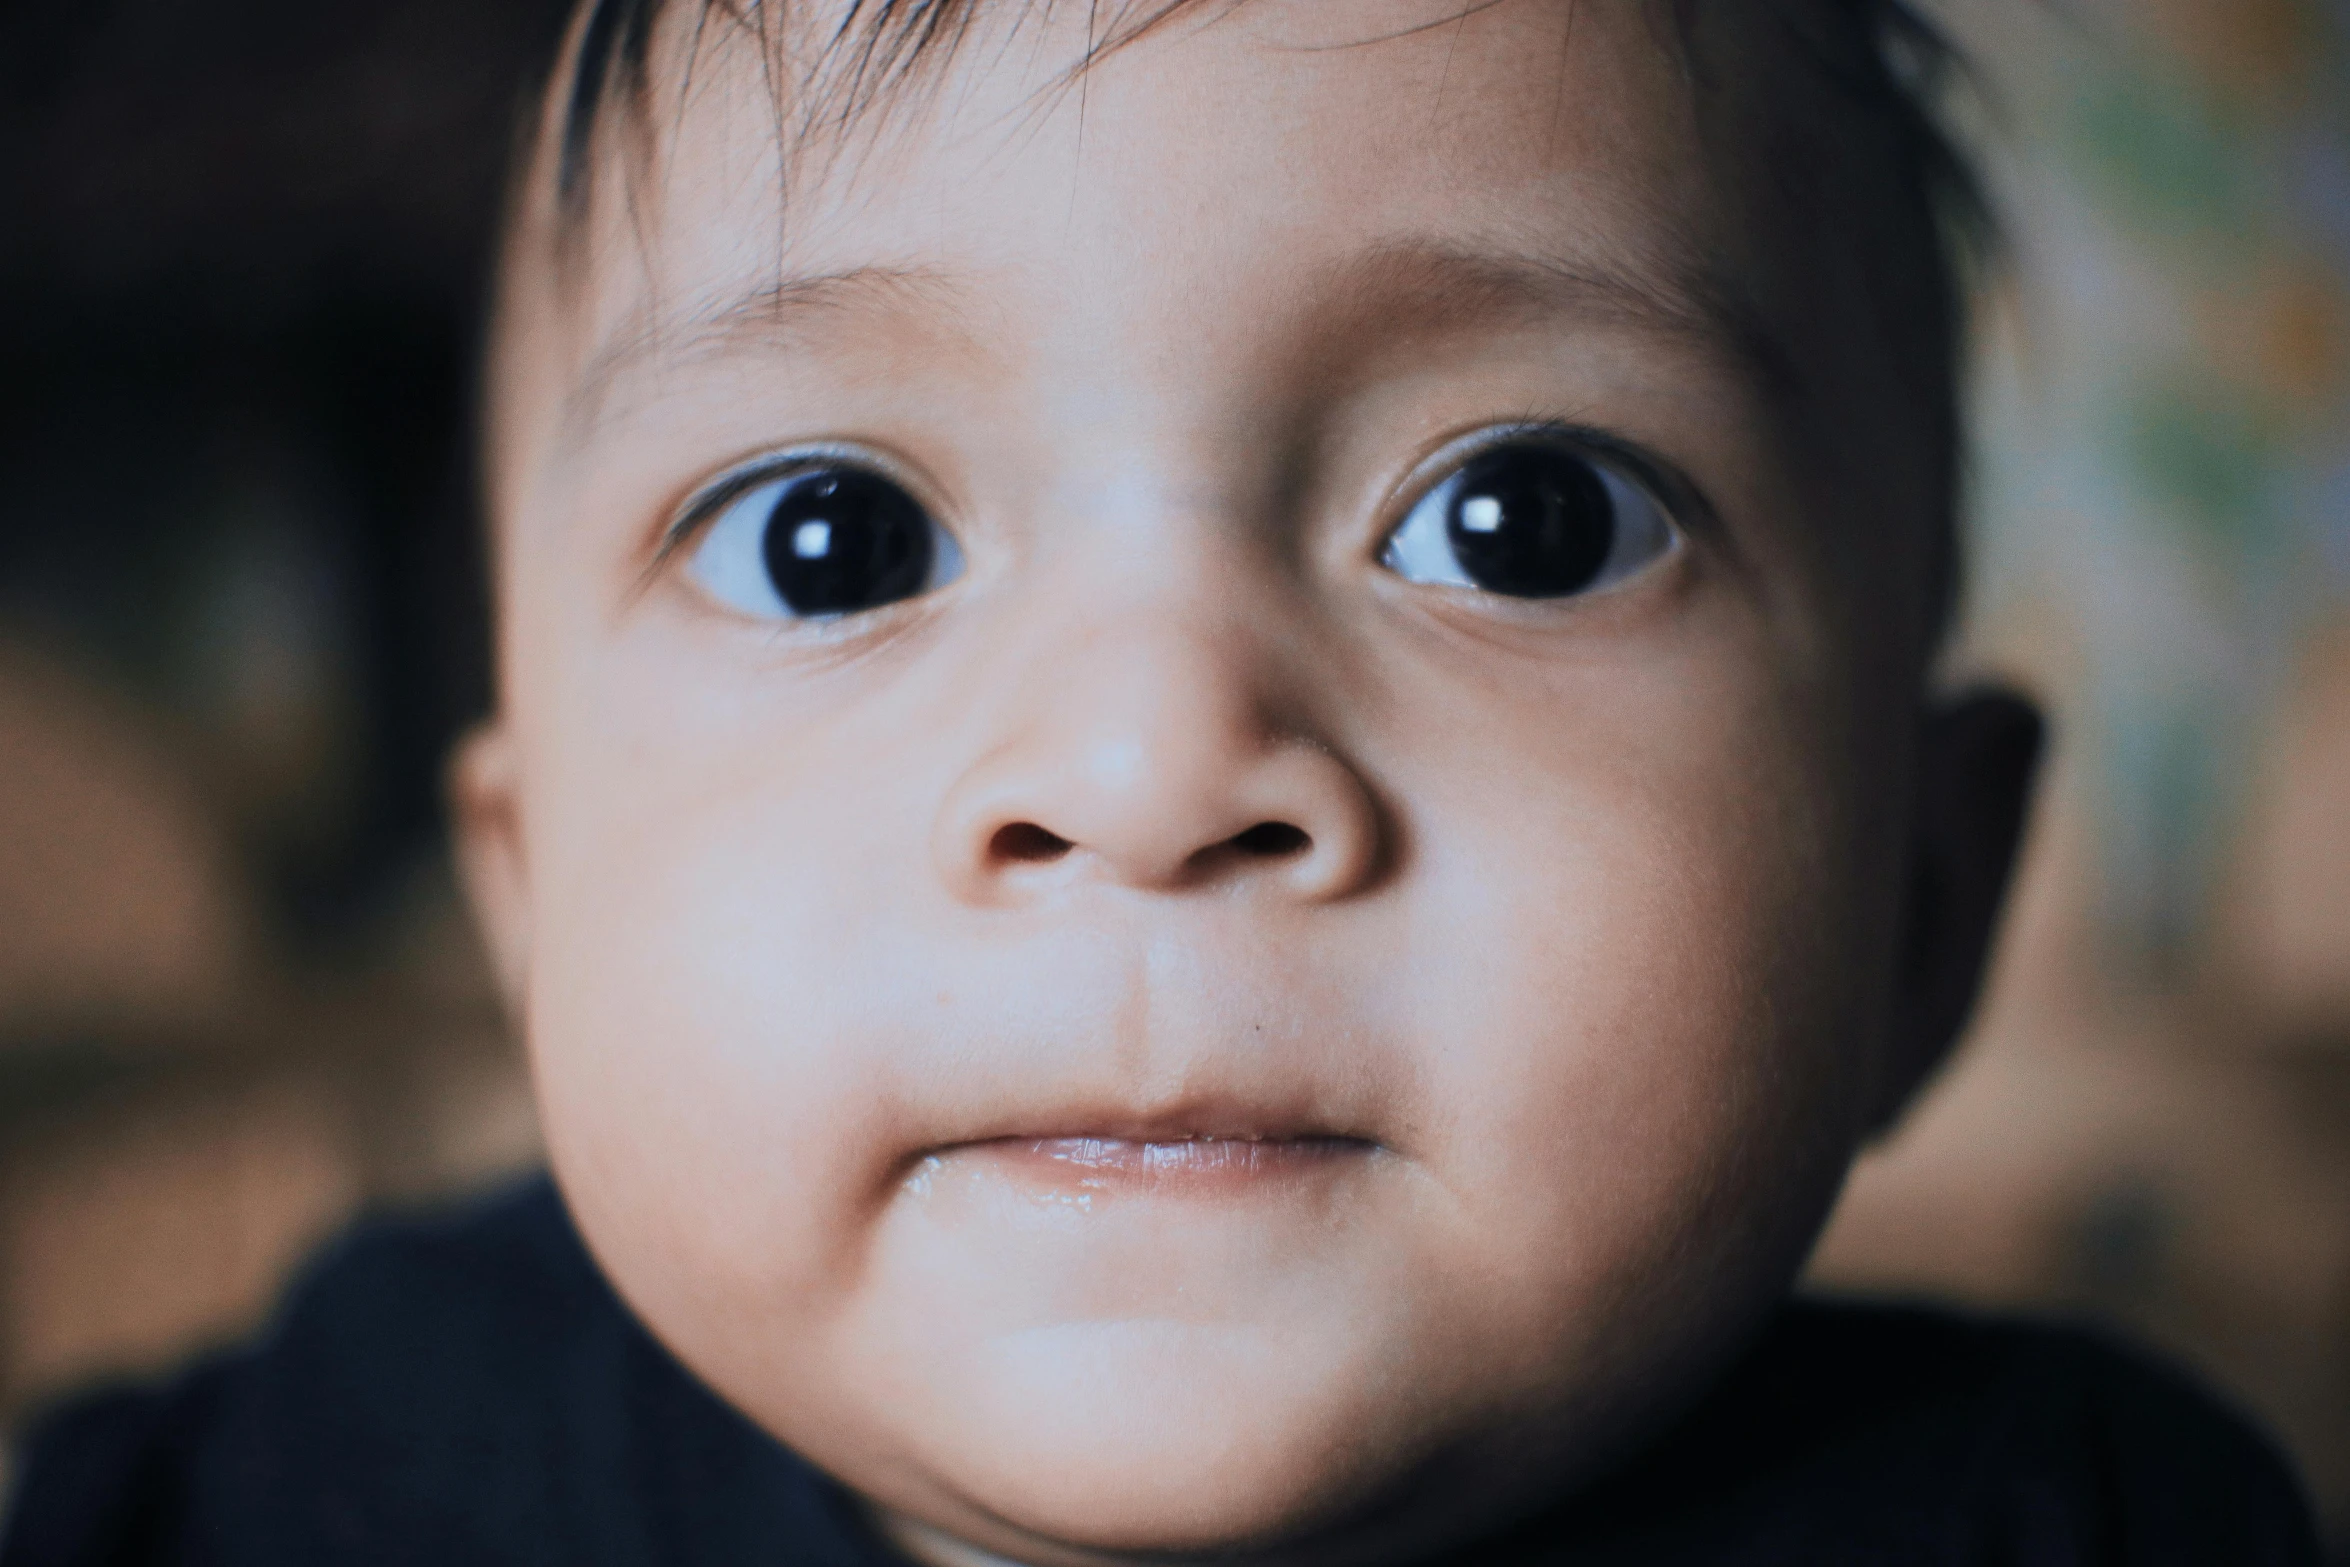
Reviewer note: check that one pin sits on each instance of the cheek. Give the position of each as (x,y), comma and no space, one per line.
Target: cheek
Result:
(725,909)
(1636,943)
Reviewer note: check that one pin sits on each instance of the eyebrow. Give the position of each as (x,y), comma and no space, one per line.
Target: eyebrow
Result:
(772,317)
(1420,284)
(1434,284)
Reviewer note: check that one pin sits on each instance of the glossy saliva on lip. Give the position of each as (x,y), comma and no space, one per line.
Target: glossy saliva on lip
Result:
(1187,1166)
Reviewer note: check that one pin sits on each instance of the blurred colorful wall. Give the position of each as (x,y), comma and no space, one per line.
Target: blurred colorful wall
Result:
(2151,1123)
(239,612)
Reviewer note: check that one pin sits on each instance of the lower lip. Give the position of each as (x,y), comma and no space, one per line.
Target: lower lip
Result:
(1202,1165)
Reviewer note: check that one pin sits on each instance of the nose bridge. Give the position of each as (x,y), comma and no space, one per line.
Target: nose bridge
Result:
(1153,744)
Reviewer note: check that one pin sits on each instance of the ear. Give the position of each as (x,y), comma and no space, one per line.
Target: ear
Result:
(485,806)
(1978,756)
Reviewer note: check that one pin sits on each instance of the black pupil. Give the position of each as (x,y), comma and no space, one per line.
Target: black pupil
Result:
(1532,522)
(840,541)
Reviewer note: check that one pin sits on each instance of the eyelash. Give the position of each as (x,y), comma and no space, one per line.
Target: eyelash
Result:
(710,501)
(1682,500)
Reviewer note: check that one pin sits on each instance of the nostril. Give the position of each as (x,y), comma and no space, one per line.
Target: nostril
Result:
(1026,843)
(1272,841)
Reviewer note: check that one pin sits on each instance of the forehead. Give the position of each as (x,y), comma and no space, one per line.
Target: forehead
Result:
(1276,145)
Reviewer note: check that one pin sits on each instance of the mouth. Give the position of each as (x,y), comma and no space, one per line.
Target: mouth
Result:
(1201,1163)
(1192,1154)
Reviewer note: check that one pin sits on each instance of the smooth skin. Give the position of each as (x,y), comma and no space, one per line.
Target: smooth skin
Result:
(1498,1090)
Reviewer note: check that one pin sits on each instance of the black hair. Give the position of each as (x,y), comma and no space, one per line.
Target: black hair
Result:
(1890,65)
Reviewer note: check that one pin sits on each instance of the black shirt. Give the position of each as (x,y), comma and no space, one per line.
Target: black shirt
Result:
(470,1391)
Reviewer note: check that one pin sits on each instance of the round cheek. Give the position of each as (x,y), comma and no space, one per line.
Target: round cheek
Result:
(1634,946)
(715,973)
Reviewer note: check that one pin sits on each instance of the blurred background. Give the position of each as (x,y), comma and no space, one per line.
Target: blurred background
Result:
(240,620)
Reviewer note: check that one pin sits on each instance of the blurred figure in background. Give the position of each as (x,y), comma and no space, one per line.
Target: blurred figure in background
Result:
(238,627)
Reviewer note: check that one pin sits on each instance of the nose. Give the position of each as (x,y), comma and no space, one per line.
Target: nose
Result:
(1156,758)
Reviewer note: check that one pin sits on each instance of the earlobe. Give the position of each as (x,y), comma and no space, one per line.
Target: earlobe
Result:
(485,809)
(1978,756)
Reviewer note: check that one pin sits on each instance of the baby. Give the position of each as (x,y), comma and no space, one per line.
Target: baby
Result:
(1215,811)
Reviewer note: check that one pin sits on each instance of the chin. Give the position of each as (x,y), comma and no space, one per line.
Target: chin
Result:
(1159,1437)
(1146,1501)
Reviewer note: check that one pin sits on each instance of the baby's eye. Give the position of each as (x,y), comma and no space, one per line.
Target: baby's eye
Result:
(821,541)
(1534,519)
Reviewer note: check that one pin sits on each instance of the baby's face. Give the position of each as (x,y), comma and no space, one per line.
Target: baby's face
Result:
(1200,808)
